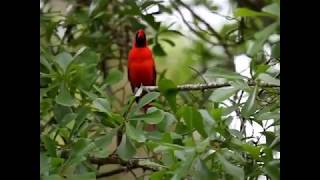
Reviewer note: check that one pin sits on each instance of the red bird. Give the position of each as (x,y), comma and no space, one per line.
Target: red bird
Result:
(141,66)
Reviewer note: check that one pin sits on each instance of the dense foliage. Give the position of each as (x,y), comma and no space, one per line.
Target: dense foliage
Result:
(88,116)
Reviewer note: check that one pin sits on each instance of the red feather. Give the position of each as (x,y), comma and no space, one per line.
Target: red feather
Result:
(141,66)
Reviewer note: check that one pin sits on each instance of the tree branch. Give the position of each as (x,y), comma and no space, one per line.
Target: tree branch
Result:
(192,87)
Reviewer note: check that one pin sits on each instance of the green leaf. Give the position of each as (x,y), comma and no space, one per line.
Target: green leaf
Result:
(64,59)
(105,140)
(50,146)
(272,169)
(268,79)
(64,97)
(158,50)
(174,32)
(250,105)
(168,90)
(245,12)
(268,115)
(157,175)
(126,149)
(148,98)
(226,111)
(273,8)
(231,169)
(135,134)
(153,116)
(222,94)
(193,119)
(151,21)
(184,166)
(85,176)
(67,118)
(261,37)
(169,42)
(202,172)
(80,149)
(102,105)
(53,177)
(275,50)
(223,73)
(254,151)
(114,76)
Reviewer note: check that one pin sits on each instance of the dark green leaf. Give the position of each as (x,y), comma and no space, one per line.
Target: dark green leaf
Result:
(67,118)
(157,175)
(64,97)
(151,21)
(53,177)
(50,146)
(184,165)
(126,149)
(250,105)
(158,50)
(193,119)
(272,168)
(202,172)
(153,116)
(135,134)
(231,169)
(168,90)
(105,140)
(169,41)
(275,51)
(86,176)
(79,151)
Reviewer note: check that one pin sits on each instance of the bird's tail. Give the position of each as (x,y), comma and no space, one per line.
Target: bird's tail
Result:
(149,127)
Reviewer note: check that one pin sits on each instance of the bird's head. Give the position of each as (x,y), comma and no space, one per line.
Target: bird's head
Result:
(141,40)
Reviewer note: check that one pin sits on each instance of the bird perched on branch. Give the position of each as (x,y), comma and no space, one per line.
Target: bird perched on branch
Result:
(141,67)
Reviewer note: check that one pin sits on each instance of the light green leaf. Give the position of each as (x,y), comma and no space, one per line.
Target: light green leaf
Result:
(222,94)
(268,79)
(64,97)
(153,116)
(245,12)
(102,105)
(135,134)
(126,149)
(202,172)
(254,151)
(157,175)
(268,115)
(273,8)
(114,76)
(64,59)
(250,105)
(105,140)
(231,169)
(184,166)
(223,73)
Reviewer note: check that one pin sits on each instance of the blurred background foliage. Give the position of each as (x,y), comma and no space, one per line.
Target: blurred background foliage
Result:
(90,126)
